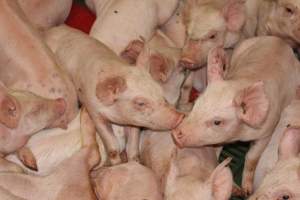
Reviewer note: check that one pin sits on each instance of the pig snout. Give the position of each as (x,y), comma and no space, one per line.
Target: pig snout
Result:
(167,119)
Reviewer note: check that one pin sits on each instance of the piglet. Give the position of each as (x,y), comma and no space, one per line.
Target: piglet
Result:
(126,181)
(190,173)
(125,26)
(26,63)
(116,91)
(45,14)
(70,180)
(282,181)
(244,103)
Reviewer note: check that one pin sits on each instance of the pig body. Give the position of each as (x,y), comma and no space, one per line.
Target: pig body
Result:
(126,181)
(28,64)
(289,118)
(187,174)
(257,90)
(65,181)
(278,18)
(282,181)
(117,92)
(135,20)
(46,13)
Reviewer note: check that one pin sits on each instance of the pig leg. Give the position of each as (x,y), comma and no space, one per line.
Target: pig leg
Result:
(133,141)
(251,160)
(184,104)
(7,166)
(109,139)
(132,51)
(26,156)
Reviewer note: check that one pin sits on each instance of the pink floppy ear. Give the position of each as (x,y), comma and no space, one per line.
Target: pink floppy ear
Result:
(234,14)
(252,104)
(222,181)
(290,143)
(216,64)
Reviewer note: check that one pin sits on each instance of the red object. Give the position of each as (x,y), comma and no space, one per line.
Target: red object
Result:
(194,95)
(81,18)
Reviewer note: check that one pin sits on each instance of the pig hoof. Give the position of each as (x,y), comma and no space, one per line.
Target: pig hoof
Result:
(132,51)
(247,190)
(238,192)
(114,158)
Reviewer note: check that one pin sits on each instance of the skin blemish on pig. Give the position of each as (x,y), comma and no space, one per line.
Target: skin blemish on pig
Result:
(113,154)
(52,90)
(224,67)
(288,126)
(243,105)
(116,12)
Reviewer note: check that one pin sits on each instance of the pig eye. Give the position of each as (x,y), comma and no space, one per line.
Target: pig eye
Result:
(284,197)
(212,36)
(217,122)
(140,103)
(289,10)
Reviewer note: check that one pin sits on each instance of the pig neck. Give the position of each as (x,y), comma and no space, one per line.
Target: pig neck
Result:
(197,163)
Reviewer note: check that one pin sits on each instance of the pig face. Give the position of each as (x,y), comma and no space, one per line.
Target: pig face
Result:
(283,181)
(208,26)
(163,67)
(287,18)
(219,116)
(23,114)
(216,187)
(134,98)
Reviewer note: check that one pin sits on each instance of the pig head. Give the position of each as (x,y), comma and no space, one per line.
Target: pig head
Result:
(226,108)
(210,24)
(283,181)
(126,181)
(23,114)
(280,18)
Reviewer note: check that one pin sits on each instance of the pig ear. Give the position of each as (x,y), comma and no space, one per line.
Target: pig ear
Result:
(222,181)
(108,90)
(158,68)
(26,156)
(290,143)
(234,14)
(216,64)
(171,175)
(252,104)
(9,110)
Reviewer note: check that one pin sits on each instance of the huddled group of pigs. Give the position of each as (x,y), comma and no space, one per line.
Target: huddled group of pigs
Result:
(107,115)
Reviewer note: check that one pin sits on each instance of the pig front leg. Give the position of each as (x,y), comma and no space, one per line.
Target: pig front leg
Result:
(133,141)
(109,139)
(26,156)
(251,160)
(132,51)
(184,104)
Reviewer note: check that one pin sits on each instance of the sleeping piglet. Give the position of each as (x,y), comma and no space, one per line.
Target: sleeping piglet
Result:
(245,101)
(116,91)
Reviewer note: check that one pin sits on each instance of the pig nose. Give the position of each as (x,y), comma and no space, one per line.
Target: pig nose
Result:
(60,106)
(187,63)
(177,135)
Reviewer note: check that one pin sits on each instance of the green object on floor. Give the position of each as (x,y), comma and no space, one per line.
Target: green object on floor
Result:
(237,151)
